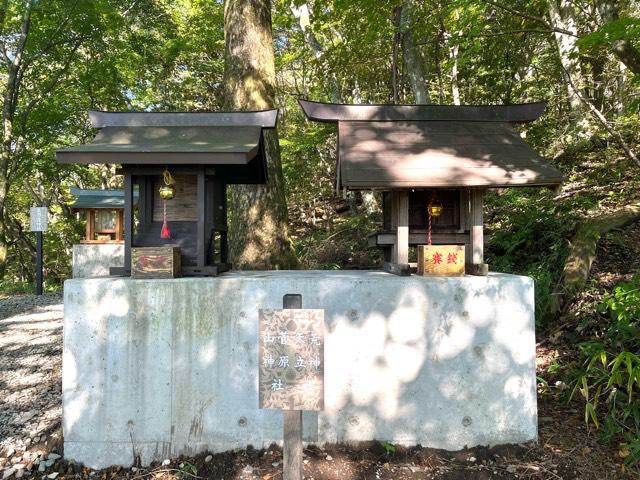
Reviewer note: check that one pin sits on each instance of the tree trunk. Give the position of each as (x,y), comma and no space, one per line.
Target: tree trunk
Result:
(259,233)
(304,20)
(622,49)
(455,87)
(562,17)
(411,56)
(582,253)
(8,144)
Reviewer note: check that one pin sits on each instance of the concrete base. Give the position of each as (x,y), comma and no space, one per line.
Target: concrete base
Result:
(157,368)
(92,260)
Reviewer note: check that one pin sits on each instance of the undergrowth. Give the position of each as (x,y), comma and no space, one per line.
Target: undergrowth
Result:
(609,380)
(528,234)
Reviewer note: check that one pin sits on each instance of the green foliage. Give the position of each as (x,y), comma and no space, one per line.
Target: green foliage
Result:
(627,28)
(528,232)
(610,381)
(389,448)
(187,470)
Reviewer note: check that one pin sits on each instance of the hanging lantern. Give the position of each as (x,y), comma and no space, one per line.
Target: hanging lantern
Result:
(167,192)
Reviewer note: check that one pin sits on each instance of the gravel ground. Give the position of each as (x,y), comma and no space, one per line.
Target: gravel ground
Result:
(30,379)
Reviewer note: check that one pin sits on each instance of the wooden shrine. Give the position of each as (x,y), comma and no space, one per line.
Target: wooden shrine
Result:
(180,163)
(103,212)
(421,155)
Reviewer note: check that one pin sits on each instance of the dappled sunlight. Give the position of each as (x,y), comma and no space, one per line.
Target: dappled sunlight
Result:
(450,338)
(77,403)
(173,364)
(519,387)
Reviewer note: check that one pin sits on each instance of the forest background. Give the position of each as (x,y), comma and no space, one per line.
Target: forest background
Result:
(60,58)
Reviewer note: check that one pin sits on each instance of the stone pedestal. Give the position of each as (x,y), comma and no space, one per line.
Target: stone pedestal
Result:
(92,260)
(158,368)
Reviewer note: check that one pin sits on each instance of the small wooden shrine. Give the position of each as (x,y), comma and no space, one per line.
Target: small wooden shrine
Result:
(181,164)
(434,164)
(103,211)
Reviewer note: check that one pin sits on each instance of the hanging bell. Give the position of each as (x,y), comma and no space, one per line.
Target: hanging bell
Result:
(167,192)
(435,208)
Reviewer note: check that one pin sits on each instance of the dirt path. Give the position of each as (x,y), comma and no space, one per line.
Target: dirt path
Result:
(30,438)
(30,376)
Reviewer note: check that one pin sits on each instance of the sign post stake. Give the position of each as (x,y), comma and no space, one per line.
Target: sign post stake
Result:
(292,420)
(39,221)
(39,263)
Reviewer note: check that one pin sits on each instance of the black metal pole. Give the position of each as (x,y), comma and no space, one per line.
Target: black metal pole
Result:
(38,263)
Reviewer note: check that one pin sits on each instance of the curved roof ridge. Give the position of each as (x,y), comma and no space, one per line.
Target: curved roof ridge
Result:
(333,112)
(262,118)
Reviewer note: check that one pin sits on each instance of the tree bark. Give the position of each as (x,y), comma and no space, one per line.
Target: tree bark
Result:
(397,13)
(455,86)
(13,69)
(582,253)
(304,20)
(622,49)
(259,232)
(562,18)
(411,56)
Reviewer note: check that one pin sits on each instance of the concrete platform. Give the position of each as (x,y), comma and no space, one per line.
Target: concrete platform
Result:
(155,368)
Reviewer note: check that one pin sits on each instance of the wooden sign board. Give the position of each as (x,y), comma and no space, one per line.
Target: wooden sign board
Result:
(291,359)
(39,219)
(155,262)
(441,260)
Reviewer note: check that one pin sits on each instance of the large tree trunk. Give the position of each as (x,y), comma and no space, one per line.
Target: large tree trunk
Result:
(10,143)
(259,234)
(622,49)
(562,17)
(411,56)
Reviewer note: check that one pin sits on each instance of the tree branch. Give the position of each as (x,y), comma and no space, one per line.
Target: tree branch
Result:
(52,39)
(604,122)
(541,20)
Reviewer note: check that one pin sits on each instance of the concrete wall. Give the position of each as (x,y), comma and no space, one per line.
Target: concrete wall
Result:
(94,259)
(164,367)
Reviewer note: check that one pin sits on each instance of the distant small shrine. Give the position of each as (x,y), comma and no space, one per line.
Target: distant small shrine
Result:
(181,164)
(103,211)
(433,164)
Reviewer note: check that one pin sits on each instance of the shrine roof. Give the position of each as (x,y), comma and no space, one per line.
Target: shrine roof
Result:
(407,146)
(174,138)
(99,199)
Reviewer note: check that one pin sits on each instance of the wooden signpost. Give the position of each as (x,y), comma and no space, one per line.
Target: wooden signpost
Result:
(291,372)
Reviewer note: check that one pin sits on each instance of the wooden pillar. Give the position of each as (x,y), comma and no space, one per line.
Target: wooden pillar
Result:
(224,243)
(476,233)
(89,225)
(145,199)
(201,240)
(119,222)
(399,264)
(292,468)
(292,447)
(128,220)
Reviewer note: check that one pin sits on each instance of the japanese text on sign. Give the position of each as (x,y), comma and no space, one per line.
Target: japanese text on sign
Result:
(39,219)
(291,359)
